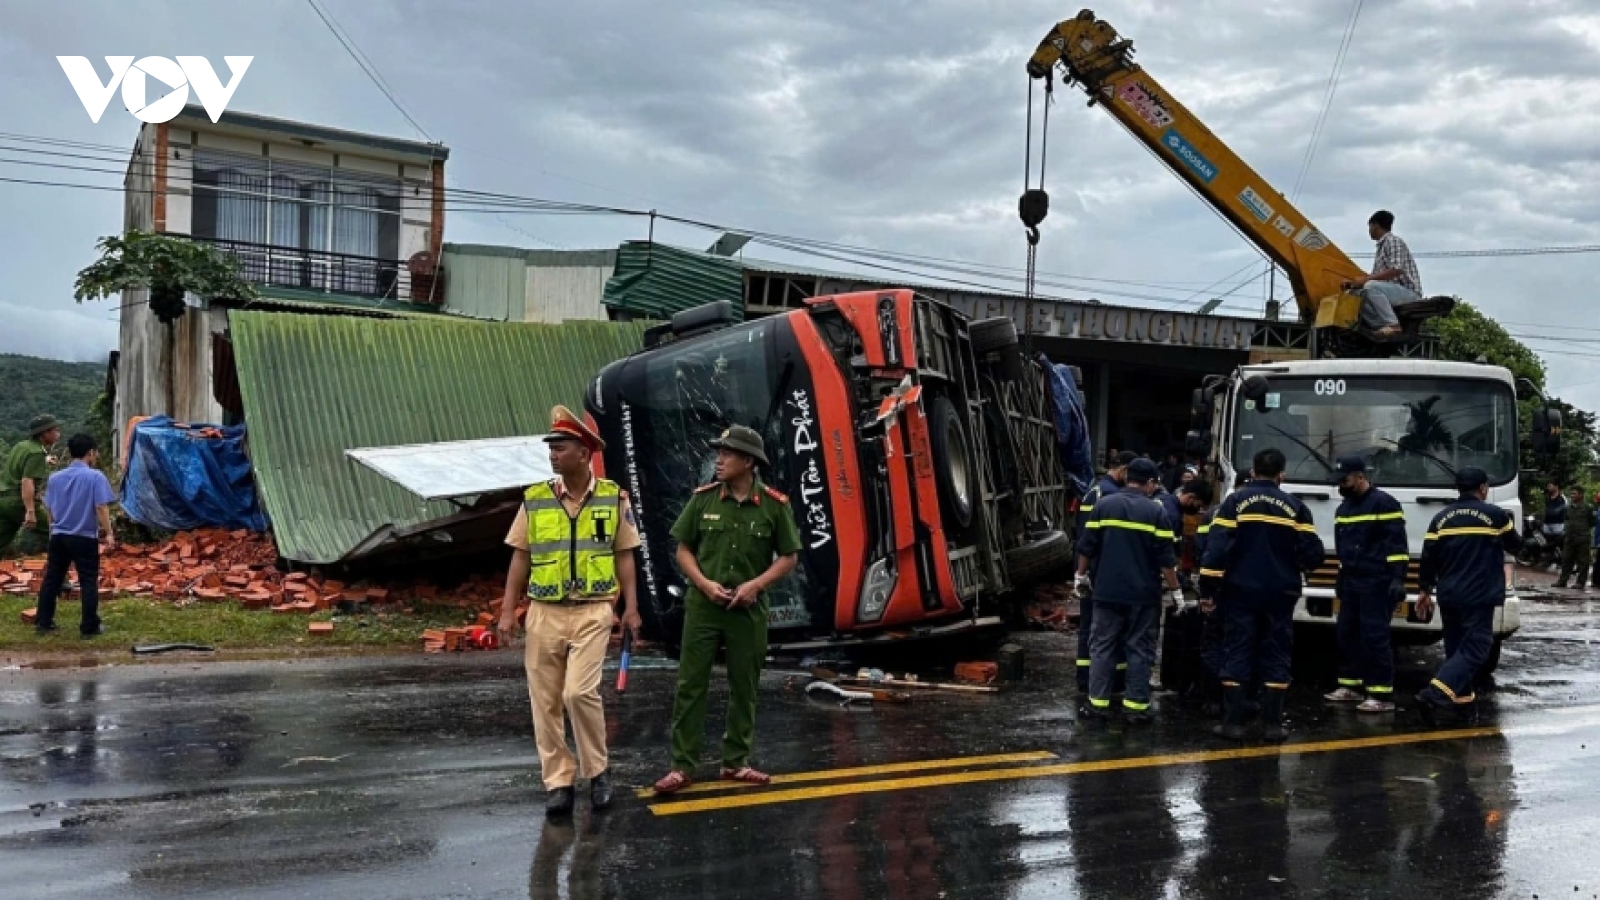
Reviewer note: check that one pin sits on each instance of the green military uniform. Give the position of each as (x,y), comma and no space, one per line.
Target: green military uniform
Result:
(733,541)
(28,459)
(1578,543)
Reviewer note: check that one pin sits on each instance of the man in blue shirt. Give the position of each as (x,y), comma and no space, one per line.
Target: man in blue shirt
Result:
(79,501)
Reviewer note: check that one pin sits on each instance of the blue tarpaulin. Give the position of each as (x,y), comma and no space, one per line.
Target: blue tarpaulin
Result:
(190,476)
(1072,426)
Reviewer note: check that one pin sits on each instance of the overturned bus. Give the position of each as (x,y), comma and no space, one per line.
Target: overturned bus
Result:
(920,452)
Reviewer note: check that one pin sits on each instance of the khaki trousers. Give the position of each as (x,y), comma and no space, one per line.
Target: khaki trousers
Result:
(566,648)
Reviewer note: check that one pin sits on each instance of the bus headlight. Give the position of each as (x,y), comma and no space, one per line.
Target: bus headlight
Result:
(875,592)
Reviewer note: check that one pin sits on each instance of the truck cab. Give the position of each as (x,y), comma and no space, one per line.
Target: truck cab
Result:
(1415,421)
(917,448)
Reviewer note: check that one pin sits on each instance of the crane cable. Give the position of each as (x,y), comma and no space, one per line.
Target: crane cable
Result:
(1035,203)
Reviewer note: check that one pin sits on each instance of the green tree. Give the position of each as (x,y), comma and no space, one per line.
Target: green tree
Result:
(168,267)
(1467,335)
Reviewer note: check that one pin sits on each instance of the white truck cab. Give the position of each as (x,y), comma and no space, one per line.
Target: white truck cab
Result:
(1416,422)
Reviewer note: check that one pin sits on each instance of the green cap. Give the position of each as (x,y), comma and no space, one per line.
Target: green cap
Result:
(41,424)
(744,440)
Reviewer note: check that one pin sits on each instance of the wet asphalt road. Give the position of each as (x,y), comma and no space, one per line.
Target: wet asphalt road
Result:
(415,777)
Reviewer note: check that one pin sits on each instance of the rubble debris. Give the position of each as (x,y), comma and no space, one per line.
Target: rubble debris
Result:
(977,672)
(168,648)
(320,628)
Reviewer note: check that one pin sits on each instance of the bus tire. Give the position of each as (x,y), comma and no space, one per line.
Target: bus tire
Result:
(1045,558)
(989,335)
(953,462)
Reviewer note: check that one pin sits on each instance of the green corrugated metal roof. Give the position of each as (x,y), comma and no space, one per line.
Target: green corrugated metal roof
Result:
(655,281)
(315,386)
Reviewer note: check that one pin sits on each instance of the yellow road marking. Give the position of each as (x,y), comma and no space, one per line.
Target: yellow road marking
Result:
(765,798)
(863,771)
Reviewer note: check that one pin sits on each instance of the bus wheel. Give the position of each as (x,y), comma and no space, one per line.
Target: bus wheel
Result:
(953,462)
(1049,557)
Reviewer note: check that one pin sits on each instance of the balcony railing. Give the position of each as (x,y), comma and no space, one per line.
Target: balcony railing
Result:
(321,270)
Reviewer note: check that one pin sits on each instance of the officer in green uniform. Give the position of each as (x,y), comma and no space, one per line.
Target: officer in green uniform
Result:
(1577,545)
(736,538)
(22,481)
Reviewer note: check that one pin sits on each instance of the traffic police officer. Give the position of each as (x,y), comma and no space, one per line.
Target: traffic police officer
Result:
(573,543)
(1261,543)
(22,480)
(1104,486)
(736,538)
(1128,552)
(1575,550)
(1369,532)
(1463,559)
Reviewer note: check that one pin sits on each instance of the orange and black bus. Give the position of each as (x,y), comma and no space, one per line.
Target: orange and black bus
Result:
(918,450)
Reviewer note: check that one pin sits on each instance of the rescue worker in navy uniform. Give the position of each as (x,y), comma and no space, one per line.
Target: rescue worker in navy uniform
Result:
(1261,544)
(1369,532)
(1127,553)
(1463,560)
(1106,485)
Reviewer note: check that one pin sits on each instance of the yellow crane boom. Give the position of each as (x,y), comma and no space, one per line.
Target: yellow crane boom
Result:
(1092,56)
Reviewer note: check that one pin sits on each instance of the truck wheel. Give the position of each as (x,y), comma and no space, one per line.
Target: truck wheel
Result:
(989,335)
(1043,559)
(952,461)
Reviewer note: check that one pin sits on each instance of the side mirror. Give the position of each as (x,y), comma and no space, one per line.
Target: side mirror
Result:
(1545,436)
(1200,408)
(1197,444)
(1255,387)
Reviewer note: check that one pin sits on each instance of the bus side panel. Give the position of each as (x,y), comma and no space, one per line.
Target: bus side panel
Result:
(837,436)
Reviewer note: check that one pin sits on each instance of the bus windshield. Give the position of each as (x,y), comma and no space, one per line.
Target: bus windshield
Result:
(1413,432)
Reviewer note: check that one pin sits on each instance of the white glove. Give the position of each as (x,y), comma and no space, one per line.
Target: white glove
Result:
(1177,598)
(1081,587)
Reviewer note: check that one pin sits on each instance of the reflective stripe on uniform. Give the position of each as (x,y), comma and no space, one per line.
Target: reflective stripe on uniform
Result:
(1135,705)
(1463,532)
(1082,662)
(1444,687)
(1380,689)
(1350,682)
(1132,526)
(1212,573)
(1099,704)
(1398,557)
(1371,517)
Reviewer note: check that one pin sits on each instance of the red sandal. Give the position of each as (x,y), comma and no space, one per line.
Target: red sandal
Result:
(746,775)
(673,782)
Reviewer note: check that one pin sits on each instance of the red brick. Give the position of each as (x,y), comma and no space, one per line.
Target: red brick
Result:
(305,606)
(378,594)
(320,628)
(29,616)
(283,608)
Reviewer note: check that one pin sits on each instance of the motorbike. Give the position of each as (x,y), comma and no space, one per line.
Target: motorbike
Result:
(1538,550)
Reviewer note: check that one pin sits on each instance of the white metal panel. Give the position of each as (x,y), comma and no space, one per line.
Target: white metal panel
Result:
(461,468)
(558,293)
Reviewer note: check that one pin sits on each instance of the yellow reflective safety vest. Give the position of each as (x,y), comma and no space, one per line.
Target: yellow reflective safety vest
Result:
(571,556)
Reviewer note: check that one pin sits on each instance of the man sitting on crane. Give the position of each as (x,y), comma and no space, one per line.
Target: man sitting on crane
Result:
(1394,281)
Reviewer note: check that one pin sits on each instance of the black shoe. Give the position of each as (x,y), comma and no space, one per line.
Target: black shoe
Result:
(1429,706)
(1089,713)
(1137,716)
(1233,702)
(45,629)
(1272,730)
(558,802)
(96,631)
(1560,584)
(600,790)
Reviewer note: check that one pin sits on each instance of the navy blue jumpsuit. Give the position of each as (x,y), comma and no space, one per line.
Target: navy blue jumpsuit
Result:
(1369,534)
(1261,543)
(1463,564)
(1104,486)
(1128,541)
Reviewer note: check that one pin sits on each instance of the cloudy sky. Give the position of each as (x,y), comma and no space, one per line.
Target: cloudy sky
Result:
(896,125)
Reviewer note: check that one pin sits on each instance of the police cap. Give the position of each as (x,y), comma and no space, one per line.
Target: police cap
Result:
(1352,465)
(1142,470)
(1471,478)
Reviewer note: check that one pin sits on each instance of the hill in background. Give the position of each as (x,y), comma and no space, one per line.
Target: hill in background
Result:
(29,386)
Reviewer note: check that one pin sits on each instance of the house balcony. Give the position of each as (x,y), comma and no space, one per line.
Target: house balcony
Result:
(322,271)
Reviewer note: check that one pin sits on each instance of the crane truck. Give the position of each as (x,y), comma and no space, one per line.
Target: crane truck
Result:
(1416,421)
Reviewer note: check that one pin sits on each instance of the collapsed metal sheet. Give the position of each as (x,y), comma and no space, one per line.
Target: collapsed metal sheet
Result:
(455,469)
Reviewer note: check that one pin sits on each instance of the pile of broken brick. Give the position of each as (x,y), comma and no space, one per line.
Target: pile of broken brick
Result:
(214,565)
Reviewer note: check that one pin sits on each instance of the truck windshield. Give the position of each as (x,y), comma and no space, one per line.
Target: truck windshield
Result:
(687,397)
(1414,432)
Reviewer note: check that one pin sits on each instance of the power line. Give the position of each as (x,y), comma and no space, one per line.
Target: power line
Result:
(366,66)
(1327,99)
